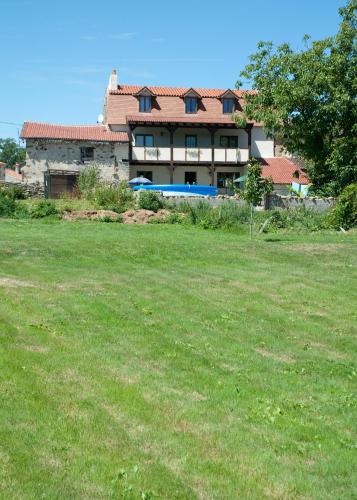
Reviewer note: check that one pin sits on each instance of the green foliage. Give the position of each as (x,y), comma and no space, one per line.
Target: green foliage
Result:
(307,99)
(11,152)
(227,215)
(255,185)
(149,200)
(88,179)
(297,219)
(117,198)
(16,192)
(344,213)
(7,204)
(43,208)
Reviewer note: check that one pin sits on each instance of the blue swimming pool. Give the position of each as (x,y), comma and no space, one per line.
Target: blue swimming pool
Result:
(181,188)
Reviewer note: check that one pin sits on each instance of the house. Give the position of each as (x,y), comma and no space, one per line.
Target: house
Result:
(170,135)
(286,175)
(10,175)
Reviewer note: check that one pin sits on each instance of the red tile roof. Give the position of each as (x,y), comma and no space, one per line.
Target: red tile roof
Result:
(201,118)
(99,133)
(176,91)
(12,173)
(281,170)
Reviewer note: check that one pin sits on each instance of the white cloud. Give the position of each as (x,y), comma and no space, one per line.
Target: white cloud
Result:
(122,36)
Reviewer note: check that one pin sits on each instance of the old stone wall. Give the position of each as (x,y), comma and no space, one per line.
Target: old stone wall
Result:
(43,155)
(33,190)
(315,203)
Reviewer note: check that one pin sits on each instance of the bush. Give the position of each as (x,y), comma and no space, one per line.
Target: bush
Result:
(15,192)
(7,204)
(344,213)
(43,208)
(227,215)
(117,198)
(88,179)
(300,218)
(149,200)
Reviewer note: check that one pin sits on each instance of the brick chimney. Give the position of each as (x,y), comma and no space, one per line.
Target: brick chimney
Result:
(113,80)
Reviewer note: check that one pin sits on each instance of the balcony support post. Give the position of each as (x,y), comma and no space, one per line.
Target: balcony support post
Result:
(248,129)
(212,169)
(171,129)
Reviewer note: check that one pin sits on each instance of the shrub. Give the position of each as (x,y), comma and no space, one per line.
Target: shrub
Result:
(43,208)
(300,218)
(227,215)
(344,213)
(117,198)
(88,179)
(21,211)
(15,192)
(149,200)
(7,204)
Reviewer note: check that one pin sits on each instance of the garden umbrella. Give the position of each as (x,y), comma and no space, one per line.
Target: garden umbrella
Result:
(242,178)
(140,180)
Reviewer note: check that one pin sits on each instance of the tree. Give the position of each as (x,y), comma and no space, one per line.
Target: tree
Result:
(307,99)
(256,187)
(11,152)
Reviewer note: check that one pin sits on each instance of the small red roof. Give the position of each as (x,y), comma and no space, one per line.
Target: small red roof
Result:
(12,173)
(176,91)
(281,170)
(100,133)
(201,118)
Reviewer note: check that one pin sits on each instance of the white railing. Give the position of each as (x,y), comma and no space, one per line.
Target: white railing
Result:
(151,154)
(192,155)
(231,155)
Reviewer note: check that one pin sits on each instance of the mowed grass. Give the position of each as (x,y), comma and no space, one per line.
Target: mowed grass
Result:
(173,362)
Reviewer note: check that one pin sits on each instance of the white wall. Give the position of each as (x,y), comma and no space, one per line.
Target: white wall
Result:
(262,147)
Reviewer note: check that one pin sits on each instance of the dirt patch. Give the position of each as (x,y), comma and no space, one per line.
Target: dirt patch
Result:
(284,358)
(316,248)
(15,283)
(143,216)
(90,215)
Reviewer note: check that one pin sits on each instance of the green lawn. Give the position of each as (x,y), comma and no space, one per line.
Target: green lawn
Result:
(174,362)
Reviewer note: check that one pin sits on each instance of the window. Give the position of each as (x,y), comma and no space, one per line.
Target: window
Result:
(191,104)
(144,104)
(223,178)
(143,140)
(228,105)
(229,141)
(191,141)
(145,173)
(190,177)
(87,154)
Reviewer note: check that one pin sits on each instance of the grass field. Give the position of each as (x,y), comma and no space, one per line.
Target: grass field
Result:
(173,362)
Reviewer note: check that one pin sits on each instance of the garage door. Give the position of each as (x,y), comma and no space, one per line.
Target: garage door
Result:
(57,184)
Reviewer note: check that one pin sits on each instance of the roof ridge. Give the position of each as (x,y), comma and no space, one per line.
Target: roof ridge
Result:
(64,125)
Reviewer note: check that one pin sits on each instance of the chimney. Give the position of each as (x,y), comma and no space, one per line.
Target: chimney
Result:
(17,168)
(113,80)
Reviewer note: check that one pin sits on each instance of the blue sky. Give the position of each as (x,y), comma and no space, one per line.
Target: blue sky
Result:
(56,56)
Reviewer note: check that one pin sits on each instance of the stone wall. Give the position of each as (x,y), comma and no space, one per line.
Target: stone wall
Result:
(33,190)
(43,155)
(312,202)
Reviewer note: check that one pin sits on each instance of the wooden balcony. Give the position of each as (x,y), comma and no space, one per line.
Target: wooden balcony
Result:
(190,155)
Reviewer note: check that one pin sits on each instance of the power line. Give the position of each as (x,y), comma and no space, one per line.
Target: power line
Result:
(11,123)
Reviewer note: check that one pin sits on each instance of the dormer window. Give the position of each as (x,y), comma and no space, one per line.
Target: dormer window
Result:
(144,104)
(191,104)
(191,97)
(228,105)
(145,97)
(229,101)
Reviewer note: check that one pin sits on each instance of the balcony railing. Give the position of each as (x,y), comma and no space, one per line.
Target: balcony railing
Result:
(191,155)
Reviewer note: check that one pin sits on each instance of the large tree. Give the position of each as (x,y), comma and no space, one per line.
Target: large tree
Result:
(307,99)
(11,152)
